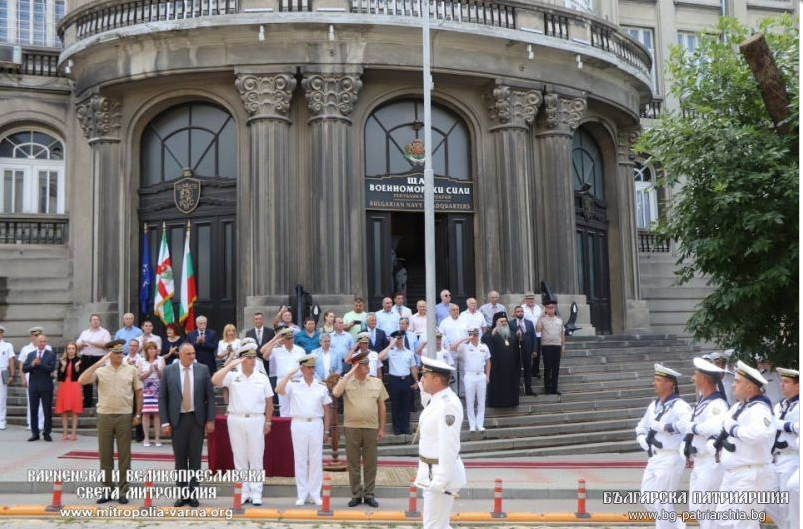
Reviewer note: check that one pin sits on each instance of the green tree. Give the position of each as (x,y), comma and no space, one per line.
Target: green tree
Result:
(734,211)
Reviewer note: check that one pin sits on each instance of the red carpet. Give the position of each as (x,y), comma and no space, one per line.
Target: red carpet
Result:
(471,463)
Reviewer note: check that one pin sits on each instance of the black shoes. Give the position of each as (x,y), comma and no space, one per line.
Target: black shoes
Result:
(372,502)
(123,501)
(104,499)
(47,438)
(194,503)
(34,438)
(180,503)
(355,501)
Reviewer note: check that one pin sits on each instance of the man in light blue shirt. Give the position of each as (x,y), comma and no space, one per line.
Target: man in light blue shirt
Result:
(128,331)
(341,340)
(410,339)
(327,361)
(442,308)
(403,379)
(387,319)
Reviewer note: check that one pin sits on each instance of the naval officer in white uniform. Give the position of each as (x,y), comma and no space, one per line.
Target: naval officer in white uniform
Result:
(440,470)
(657,435)
(785,452)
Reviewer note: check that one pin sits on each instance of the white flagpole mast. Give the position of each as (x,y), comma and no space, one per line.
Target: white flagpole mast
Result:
(429,185)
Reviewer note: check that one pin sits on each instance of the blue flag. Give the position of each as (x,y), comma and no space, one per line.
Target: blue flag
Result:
(146,273)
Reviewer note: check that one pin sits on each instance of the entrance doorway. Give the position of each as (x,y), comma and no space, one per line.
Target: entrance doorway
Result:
(396,255)
(195,139)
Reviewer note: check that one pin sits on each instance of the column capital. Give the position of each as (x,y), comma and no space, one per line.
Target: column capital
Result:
(512,107)
(625,140)
(331,95)
(99,117)
(563,114)
(266,96)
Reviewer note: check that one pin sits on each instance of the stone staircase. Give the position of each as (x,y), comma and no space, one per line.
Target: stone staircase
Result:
(606,383)
(670,305)
(35,289)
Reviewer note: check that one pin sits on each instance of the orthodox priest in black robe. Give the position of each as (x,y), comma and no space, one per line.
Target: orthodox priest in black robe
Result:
(503,389)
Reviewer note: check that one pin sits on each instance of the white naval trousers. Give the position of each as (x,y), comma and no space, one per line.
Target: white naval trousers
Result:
(705,477)
(793,485)
(308,452)
(747,478)
(248,447)
(3,400)
(437,509)
(475,389)
(28,407)
(662,476)
(782,470)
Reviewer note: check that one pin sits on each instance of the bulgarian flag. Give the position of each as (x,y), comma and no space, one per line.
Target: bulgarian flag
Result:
(163,300)
(186,315)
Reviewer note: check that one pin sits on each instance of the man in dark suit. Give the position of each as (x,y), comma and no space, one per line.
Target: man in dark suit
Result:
(377,339)
(187,409)
(205,342)
(261,336)
(40,365)
(525,330)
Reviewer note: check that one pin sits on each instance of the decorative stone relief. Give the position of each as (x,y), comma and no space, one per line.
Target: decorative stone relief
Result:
(99,116)
(562,112)
(331,95)
(626,140)
(266,95)
(513,106)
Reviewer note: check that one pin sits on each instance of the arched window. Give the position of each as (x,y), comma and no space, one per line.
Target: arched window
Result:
(646,196)
(587,165)
(32,169)
(393,127)
(196,136)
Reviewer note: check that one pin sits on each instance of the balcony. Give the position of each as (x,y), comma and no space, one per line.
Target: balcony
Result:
(546,25)
(35,61)
(652,110)
(33,229)
(649,242)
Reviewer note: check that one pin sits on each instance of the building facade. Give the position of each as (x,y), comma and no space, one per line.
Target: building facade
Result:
(287,133)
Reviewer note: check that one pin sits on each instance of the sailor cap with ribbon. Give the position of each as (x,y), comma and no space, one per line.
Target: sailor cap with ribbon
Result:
(750,373)
(704,366)
(430,365)
(788,373)
(663,371)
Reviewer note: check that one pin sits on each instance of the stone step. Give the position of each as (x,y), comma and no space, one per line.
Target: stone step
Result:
(16,297)
(683,292)
(615,367)
(610,447)
(25,267)
(572,344)
(34,312)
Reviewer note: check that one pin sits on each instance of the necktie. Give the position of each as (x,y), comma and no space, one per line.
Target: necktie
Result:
(40,354)
(259,335)
(186,398)
(398,309)
(406,342)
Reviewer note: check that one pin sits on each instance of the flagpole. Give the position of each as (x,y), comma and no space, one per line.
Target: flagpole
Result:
(429,185)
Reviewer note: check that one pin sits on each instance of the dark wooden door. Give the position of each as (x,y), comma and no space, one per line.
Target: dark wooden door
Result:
(380,259)
(591,240)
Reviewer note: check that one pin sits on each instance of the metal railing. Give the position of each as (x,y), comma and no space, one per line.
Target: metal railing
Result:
(36,62)
(616,42)
(652,110)
(649,242)
(142,11)
(485,13)
(33,230)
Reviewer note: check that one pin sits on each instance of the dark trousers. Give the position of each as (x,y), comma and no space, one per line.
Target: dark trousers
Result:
(527,366)
(139,433)
(551,354)
(86,362)
(401,400)
(273,381)
(113,428)
(188,443)
(43,395)
(537,358)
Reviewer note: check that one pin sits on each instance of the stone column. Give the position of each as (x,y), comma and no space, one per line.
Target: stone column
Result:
(99,117)
(513,110)
(267,98)
(331,97)
(554,197)
(636,311)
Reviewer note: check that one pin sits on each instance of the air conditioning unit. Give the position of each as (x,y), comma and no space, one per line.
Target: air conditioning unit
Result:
(10,55)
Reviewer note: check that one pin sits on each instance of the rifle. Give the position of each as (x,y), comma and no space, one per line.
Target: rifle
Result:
(651,434)
(780,445)
(722,439)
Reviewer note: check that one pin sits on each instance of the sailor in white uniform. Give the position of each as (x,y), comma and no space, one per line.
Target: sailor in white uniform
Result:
(657,434)
(705,422)
(785,452)
(308,403)
(475,359)
(440,470)
(744,448)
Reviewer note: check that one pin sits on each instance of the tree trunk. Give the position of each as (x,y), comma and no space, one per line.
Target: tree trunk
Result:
(769,79)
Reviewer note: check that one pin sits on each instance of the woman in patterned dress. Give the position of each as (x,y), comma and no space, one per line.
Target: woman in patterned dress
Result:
(150,372)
